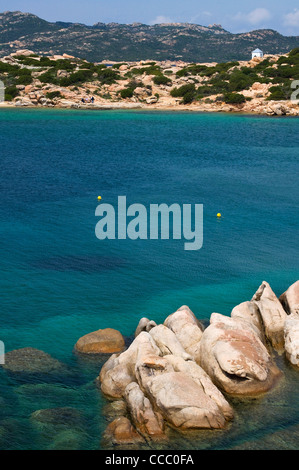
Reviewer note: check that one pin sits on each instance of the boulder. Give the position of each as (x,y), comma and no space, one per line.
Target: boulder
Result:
(102,341)
(290,299)
(122,432)
(273,315)
(234,357)
(144,325)
(152,100)
(291,336)
(199,376)
(183,402)
(23,52)
(249,313)
(167,342)
(182,392)
(148,422)
(187,329)
(119,370)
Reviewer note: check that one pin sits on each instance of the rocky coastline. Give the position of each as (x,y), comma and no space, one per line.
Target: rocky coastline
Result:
(142,85)
(181,375)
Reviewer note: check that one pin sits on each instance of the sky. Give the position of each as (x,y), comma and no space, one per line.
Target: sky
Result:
(235,16)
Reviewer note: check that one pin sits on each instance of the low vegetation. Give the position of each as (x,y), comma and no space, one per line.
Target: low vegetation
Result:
(225,82)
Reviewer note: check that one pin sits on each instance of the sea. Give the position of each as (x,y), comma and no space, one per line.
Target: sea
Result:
(60,282)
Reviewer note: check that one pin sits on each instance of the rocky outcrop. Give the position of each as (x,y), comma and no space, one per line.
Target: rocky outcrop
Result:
(234,357)
(187,329)
(272,314)
(290,299)
(175,374)
(105,341)
(161,383)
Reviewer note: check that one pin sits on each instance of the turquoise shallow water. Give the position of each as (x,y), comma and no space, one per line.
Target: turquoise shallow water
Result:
(58,281)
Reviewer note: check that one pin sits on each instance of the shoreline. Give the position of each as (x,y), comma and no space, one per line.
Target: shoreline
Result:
(143,107)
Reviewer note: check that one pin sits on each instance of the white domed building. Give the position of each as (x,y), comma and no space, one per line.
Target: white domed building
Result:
(257,53)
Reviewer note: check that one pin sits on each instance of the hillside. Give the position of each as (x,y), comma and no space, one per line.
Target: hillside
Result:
(120,42)
(261,86)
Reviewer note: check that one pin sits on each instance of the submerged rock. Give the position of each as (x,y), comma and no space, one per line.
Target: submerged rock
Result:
(234,357)
(105,341)
(273,315)
(32,361)
(115,409)
(69,439)
(122,432)
(38,395)
(69,417)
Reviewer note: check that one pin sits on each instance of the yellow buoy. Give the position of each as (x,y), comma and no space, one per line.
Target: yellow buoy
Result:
(219,215)
(99,198)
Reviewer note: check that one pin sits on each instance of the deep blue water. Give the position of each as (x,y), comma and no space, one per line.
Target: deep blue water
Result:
(59,282)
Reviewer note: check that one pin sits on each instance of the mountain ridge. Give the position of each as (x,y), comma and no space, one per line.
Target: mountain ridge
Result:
(136,41)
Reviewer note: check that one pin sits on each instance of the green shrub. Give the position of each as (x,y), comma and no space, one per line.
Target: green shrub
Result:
(7,68)
(134,84)
(127,93)
(188,97)
(46,62)
(81,76)
(240,81)
(24,77)
(108,76)
(30,61)
(117,66)
(150,70)
(183,90)
(49,77)
(186,92)
(162,80)
(294,52)
(11,92)
(24,80)
(279,93)
(53,94)
(234,98)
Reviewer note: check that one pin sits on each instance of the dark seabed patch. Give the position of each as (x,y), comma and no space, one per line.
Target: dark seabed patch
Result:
(79,263)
